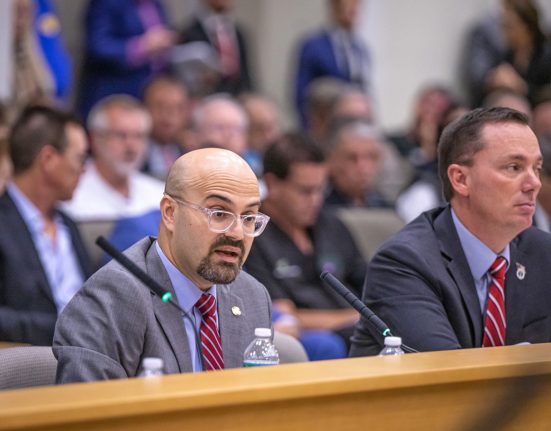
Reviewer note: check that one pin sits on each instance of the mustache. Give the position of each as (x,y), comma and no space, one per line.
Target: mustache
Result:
(224,240)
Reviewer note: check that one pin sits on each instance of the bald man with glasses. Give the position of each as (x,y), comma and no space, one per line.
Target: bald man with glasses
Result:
(209,218)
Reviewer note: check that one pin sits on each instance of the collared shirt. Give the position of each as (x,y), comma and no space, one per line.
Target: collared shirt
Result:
(95,199)
(57,256)
(480,258)
(348,53)
(187,294)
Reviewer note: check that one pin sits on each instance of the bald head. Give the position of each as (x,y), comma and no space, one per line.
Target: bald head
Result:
(208,168)
(204,189)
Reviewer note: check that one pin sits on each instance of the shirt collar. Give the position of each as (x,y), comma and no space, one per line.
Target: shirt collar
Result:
(479,257)
(187,292)
(29,212)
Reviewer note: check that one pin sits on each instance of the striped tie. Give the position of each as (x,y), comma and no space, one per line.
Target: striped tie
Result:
(495,325)
(211,345)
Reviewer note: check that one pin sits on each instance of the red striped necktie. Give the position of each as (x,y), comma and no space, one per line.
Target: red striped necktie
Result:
(496,323)
(211,344)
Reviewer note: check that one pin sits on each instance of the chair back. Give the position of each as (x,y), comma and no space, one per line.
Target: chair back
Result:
(370,227)
(289,348)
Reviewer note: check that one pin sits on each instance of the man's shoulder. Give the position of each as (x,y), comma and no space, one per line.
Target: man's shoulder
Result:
(315,38)
(137,253)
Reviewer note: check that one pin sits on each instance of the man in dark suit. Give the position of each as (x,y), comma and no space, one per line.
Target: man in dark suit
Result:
(43,261)
(474,273)
(209,218)
(334,52)
(127,41)
(214,26)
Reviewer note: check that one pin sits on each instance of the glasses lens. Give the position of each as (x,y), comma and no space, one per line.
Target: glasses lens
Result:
(220,221)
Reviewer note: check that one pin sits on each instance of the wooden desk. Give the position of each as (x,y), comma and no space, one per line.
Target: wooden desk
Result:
(460,390)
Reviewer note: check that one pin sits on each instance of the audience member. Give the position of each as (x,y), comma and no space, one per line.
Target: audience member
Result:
(43,262)
(541,125)
(469,274)
(209,217)
(505,98)
(41,67)
(264,127)
(524,66)
(542,216)
(541,114)
(112,186)
(5,164)
(221,122)
(354,153)
(321,97)
(333,52)
(166,99)
(484,47)
(394,170)
(418,143)
(126,42)
(425,190)
(215,26)
(303,240)
(353,102)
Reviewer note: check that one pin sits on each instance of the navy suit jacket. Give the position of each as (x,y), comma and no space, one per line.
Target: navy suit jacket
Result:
(195,32)
(420,284)
(317,59)
(109,26)
(27,309)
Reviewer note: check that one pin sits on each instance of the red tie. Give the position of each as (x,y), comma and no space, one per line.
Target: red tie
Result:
(495,325)
(211,345)
(227,50)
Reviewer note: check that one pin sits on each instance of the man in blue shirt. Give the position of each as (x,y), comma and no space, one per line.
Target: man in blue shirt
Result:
(472,273)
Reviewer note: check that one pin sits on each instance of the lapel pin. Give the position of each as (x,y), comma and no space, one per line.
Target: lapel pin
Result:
(236,311)
(521,271)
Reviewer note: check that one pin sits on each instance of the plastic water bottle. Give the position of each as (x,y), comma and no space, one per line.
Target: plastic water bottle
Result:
(151,367)
(261,351)
(392,347)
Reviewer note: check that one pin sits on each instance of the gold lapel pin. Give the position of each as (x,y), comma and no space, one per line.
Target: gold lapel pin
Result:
(236,311)
(521,271)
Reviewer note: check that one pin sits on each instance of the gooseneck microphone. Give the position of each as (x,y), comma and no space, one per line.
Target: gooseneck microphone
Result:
(381,327)
(151,284)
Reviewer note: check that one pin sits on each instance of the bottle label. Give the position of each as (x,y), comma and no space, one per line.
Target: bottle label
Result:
(253,363)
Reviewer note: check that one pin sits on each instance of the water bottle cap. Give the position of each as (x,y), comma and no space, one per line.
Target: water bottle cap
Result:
(155,363)
(262,332)
(393,341)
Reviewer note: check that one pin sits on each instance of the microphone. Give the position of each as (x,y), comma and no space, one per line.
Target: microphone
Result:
(150,283)
(381,327)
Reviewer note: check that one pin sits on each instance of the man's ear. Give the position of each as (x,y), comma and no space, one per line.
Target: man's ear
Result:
(272,184)
(167,213)
(47,158)
(459,179)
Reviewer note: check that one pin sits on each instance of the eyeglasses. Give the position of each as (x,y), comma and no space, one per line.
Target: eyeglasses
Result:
(221,221)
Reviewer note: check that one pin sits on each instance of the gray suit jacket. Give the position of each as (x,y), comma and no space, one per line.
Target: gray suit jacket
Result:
(114,322)
(420,284)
